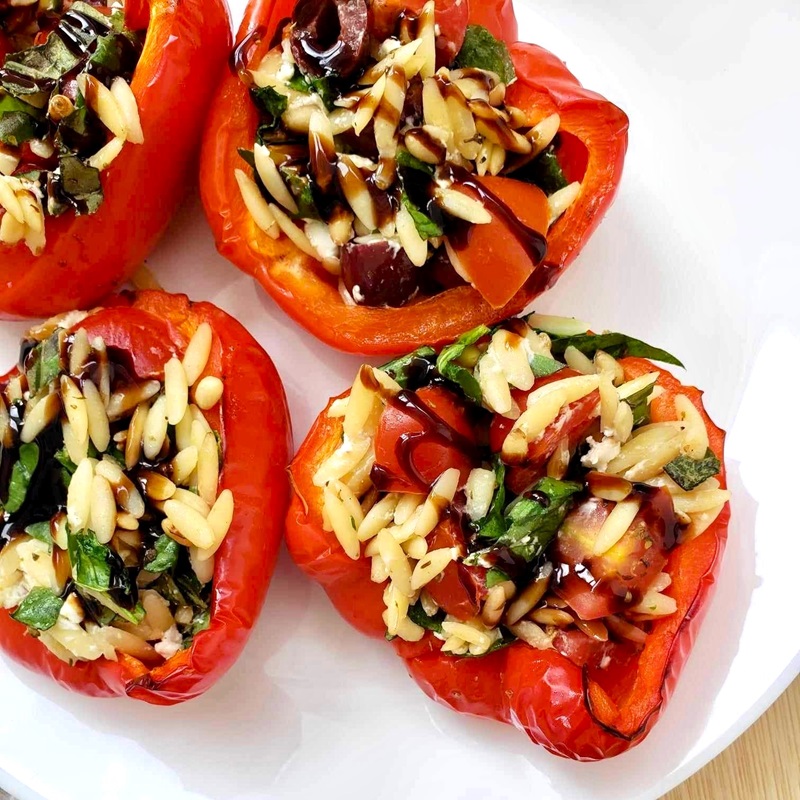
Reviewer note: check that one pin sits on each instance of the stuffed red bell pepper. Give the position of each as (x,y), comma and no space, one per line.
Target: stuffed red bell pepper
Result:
(393,172)
(143,490)
(533,518)
(100,115)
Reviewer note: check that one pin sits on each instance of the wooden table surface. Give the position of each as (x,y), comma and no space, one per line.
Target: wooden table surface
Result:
(764,764)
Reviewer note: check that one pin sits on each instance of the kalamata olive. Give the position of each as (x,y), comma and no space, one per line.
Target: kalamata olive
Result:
(412,108)
(330,37)
(438,274)
(378,273)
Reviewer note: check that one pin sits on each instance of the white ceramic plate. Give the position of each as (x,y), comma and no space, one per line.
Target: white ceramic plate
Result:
(700,255)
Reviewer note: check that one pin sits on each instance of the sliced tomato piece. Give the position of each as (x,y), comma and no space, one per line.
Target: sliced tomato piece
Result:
(429,458)
(588,600)
(459,589)
(491,257)
(451,20)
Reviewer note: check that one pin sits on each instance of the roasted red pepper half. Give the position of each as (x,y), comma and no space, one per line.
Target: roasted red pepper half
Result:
(250,422)
(88,255)
(593,144)
(581,696)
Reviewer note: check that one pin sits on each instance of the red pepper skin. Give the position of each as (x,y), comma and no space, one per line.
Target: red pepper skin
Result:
(256,436)
(298,283)
(87,256)
(558,704)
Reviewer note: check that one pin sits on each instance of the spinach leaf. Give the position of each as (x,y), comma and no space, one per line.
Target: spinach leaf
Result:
(417,615)
(493,525)
(43,364)
(495,576)
(425,226)
(689,473)
(21,474)
(41,531)
(407,161)
(91,567)
(39,609)
(533,520)
(272,103)
(483,51)
(543,366)
(81,184)
(455,372)
(639,405)
(164,556)
(402,369)
(618,345)
(321,86)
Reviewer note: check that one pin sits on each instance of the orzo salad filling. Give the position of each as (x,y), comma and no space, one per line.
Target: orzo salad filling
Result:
(109,488)
(389,158)
(66,110)
(514,487)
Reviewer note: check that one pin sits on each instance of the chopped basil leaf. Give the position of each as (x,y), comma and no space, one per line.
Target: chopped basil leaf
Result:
(493,525)
(81,184)
(406,368)
(272,103)
(18,121)
(544,171)
(689,473)
(200,622)
(135,614)
(639,405)
(43,364)
(86,10)
(108,53)
(407,161)
(43,64)
(117,20)
(190,587)
(76,121)
(495,576)
(618,345)
(41,531)
(321,86)
(91,567)
(303,193)
(417,615)
(483,51)
(543,366)
(21,474)
(164,556)
(168,589)
(533,519)
(39,609)
(455,372)
(425,226)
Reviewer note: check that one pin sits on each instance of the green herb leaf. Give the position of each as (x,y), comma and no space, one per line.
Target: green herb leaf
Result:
(639,405)
(41,531)
(43,364)
(618,345)
(134,615)
(248,156)
(43,65)
(91,568)
(455,372)
(495,576)
(108,53)
(39,609)
(91,12)
(425,226)
(493,525)
(321,86)
(77,120)
(21,474)
(533,520)
(168,589)
(302,191)
(689,473)
(165,555)
(190,587)
(18,121)
(483,51)
(81,183)
(401,369)
(406,161)
(504,641)
(200,622)
(544,171)
(417,615)
(543,366)
(272,103)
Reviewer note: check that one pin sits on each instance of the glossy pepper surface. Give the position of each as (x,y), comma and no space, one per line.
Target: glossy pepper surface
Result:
(253,424)
(555,702)
(87,256)
(594,136)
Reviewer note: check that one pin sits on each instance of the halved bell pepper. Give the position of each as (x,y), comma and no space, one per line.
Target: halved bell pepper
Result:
(592,151)
(87,256)
(253,426)
(558,704)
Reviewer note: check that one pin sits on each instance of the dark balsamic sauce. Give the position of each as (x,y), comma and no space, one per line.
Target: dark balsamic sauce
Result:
(243,52)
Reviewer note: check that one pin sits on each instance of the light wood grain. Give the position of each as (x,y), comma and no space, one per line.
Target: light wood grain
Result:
(764,764)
